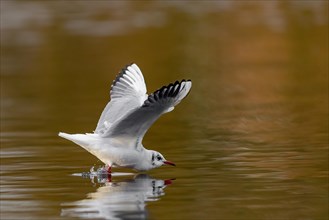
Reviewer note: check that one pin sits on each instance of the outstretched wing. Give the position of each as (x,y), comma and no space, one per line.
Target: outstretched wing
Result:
(128,92)
(134,125)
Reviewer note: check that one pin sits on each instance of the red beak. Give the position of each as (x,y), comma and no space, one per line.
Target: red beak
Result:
(169,163)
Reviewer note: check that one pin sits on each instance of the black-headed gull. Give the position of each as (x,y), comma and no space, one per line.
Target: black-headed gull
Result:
(117,140)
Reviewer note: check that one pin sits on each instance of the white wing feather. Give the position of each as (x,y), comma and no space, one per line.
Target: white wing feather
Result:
(133,126)
(128,92)
(130,113)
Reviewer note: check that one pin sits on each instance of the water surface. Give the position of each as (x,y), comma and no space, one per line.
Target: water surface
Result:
(250,141)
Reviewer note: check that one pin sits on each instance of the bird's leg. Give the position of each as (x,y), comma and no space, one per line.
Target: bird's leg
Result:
(109,178)
(109,174)
(109,169)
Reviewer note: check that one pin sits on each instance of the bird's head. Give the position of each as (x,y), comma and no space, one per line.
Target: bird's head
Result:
(157,160)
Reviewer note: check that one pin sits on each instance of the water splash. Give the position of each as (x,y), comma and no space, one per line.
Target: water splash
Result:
(100,175)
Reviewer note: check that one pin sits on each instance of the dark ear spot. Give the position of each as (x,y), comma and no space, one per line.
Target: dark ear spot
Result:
(153,157)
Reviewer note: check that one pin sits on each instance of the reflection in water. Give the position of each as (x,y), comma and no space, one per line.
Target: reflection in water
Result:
(123,199)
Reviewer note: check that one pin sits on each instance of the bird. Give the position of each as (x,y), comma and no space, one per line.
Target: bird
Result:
(117,139)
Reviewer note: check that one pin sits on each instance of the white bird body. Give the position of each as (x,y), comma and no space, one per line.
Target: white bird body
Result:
(111,151)
(117,140)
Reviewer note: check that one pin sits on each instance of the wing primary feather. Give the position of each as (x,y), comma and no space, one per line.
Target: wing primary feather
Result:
(160,94)
(171,88)
(174,89)
(177,88)
(170,91)
(132,71)
(151,98)
(166,92)
(156,97)
(118,77)
(137,122)
(128,78)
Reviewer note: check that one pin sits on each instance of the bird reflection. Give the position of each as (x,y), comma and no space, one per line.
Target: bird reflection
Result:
(124,199)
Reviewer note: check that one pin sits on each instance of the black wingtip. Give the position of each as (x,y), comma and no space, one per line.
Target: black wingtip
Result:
(171,90)
(119,75)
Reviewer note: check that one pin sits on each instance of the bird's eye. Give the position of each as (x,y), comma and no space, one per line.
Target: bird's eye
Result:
(159,157)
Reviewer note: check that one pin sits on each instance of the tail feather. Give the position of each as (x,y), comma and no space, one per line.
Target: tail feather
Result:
(84,140)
